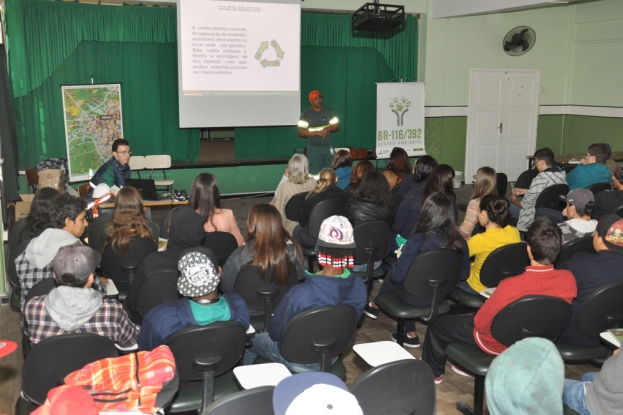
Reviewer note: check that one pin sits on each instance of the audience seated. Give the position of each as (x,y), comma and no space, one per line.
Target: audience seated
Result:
(68,220)
(548,175)
(484,185)
(526,379)
(269,247)
(298,181)
(372,201)
(38,218)
(580,204)
(73,306)
(205,199)
(198,283)
(129,235)
(593,169)
(610,164)
(544,240)
(417,179)
(343,165)
(436,229)
(325,189)
(606,202)
(597,393)
(493,216)
(408,214)
(185,231)
(334,285)
(398,167)
(591,271)
(359,171)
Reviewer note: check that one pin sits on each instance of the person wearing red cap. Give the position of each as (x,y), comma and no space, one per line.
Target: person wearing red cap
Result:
(316,124)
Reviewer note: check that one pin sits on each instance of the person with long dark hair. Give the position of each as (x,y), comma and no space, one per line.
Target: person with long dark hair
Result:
(359,171)
(38,218)
(422,168)
(494,216)
(129,235)
(484,184)
(205,199)
(398,168)
(436,229)
(270,248)
(372,201)
(343,166)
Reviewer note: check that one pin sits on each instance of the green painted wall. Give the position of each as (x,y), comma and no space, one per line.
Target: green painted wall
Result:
(581,131)
(549,132)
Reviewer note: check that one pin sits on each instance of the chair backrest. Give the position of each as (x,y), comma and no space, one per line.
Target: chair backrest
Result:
(531,316)
(11,269)
(225,339)
(412,389)
(53,358)
(256,401)
(602,310)
(294,207)
(506,261)
(137,162)
(83,190)
(43,287)
(501,184)
(549,197)
(161,161)
(32,179)
(442,266)
(318,325)
(568,250)
(599,187)
(619,211)
(221,243)
(97,231)
(14,232)
(164,226)
(249,283)
(373,239)
(158,288)
(326,209)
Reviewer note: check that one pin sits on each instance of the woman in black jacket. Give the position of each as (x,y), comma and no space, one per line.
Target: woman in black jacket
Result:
(372,201)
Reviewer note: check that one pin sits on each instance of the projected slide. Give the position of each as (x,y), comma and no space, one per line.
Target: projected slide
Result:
(239,54)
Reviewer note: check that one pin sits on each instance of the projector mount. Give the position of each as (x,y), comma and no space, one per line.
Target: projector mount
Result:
(377,17)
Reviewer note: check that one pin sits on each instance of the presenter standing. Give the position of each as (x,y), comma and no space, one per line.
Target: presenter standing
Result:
(316,124)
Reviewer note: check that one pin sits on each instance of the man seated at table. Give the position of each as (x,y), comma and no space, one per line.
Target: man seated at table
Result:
(544,240)
(201,305)
(116,170)
(592,170)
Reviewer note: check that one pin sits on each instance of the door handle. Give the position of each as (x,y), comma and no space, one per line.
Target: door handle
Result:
(500,128)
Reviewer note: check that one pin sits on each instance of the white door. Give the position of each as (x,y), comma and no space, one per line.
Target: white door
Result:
(502,120)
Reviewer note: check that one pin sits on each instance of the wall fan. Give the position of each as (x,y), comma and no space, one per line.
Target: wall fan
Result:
(519,40)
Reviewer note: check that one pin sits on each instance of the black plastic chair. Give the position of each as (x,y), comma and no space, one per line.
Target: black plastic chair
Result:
(601,311)
(432,274)
(568,250)
(619,211)
(256,401)
(401,387)
(261,297)
(221,243)
(320,212)
(525,179)
(206,355)
(164,226)
(14,232)
(43,287)
(599,187)
(501,184)
(373,240)
(318,335)
(54,358)
(506,261)
(294,207)
(97,231)
(158,288)
(550,197)
(529,316)
(11,270)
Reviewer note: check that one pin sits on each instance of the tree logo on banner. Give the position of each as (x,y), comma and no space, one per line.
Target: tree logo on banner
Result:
(400,107)
(263,47)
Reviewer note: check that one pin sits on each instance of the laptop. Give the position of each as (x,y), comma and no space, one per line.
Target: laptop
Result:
(147,188)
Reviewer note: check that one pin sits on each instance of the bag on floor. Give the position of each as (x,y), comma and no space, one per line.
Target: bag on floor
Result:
(146,381)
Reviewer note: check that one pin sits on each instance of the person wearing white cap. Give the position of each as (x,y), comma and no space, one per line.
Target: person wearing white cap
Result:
(73,306)
(334,285)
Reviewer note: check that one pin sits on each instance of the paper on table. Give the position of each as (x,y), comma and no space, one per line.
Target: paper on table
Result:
(487,293)
(614,336)
(111,289)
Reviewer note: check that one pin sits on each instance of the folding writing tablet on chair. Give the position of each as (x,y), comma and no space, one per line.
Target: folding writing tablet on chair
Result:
(147,188)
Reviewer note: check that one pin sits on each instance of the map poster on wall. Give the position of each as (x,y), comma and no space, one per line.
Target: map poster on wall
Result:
(92,122)
(400,118)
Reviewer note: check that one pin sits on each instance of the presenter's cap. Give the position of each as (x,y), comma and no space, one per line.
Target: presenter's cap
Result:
(314,94)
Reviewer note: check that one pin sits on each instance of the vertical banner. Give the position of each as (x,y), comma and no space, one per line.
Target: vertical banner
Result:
(400,118)
(92,122)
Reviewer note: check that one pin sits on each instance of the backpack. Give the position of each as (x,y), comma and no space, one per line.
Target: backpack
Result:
(146,381)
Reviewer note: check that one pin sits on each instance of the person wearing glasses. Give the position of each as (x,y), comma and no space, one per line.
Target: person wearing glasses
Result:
(114,171)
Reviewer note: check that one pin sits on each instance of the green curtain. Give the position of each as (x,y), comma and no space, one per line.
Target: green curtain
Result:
(149,97)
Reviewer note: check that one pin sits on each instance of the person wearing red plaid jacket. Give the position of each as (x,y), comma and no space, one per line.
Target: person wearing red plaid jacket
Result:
(73,307)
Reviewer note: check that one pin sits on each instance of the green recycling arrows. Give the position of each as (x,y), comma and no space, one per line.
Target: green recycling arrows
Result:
(263,47)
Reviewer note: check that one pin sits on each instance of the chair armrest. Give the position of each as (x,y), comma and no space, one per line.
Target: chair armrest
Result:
(207,363)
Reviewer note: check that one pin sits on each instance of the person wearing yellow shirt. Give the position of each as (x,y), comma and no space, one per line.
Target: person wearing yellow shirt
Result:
(493,216)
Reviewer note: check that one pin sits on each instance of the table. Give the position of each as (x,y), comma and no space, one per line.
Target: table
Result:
(149,203)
